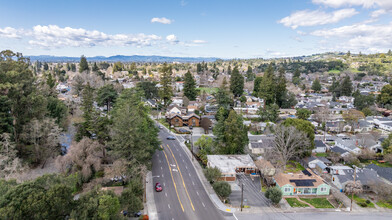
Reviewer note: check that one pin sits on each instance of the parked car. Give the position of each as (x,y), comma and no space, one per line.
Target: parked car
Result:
(183,131)
(191,127)
(137,214)
(158,187)
(170,138)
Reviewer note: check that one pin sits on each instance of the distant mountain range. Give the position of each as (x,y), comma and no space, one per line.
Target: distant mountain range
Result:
(121,58)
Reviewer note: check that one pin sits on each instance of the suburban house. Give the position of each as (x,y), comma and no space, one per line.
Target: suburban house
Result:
(383,123)
(261,146)
(178,120)
(367,177)
(348,144)
(304,183)
(173,109)
(319,146)
(342,152)
(318,163)
(383,172)
(230,165)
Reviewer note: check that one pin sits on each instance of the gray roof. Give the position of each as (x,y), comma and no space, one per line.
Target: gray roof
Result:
(384,172)
(339,150)
(365,176)
(349,143)
(266,143)
(319,143)
(324,160)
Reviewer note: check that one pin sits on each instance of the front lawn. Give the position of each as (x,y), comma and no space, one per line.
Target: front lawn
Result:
(385,204)
(294,202)
(293,167)
(321,154)
(319,202)
(334,71)
(365,203)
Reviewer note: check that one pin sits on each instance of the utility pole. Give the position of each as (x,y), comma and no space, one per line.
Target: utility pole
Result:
(242,195)
(352,192)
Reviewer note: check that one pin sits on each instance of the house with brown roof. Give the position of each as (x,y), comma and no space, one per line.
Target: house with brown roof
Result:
(179,120)
(303,183)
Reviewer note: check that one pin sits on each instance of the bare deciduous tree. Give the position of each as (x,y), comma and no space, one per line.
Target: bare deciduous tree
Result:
(85,156)
(44,135)
(322,114)
(353,187)
(334,157)
(9,161)
(289,142)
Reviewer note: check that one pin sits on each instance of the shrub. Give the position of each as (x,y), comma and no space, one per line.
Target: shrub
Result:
(221,188)
(274,194)
(212,174)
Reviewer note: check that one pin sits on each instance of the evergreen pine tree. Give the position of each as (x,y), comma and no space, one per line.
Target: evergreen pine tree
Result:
(190,86)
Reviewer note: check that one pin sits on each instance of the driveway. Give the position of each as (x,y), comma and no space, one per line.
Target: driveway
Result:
(253,196)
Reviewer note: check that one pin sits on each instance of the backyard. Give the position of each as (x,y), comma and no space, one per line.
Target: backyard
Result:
(293,167)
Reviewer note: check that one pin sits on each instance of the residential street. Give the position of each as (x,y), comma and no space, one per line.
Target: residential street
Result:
(183,195)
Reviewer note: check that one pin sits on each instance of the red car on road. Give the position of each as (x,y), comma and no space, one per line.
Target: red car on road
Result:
(158,187)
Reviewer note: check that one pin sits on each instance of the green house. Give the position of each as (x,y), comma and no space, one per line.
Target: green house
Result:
(304,183)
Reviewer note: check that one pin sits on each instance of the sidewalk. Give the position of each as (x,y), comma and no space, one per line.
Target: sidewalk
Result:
(151,207)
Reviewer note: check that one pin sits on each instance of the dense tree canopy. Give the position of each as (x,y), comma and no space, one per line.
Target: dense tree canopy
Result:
(166,91)
(236,82)
(231,134)
(190,86)
(83,65)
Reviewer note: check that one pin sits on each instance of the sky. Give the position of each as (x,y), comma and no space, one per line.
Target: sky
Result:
(202,28)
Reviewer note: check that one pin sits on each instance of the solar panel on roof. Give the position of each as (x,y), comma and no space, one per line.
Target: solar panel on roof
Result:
(306,172)
(303,182)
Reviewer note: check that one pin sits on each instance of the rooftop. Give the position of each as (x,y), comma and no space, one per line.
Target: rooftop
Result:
(228,163)
(299,179)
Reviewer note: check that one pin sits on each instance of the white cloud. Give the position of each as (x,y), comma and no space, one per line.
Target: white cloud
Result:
(162,20)
(385,4)
(378,13)
(55,36)
(9,32)
(199,41)
(183,3)
(359,37)
(172,39)
(317,17)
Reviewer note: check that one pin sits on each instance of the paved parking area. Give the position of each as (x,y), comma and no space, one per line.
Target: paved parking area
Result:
(252,192)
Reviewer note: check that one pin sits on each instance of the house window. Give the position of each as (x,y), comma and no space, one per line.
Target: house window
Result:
(323,189)
(177,120)
(314,191)
(307,191)
(287,189)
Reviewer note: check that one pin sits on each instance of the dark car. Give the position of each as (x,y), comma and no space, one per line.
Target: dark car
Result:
(137,214)
(191,127)
(170,138)
(158,187)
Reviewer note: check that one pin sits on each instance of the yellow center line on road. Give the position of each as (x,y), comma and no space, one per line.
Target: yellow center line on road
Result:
(182,178)
(175,187)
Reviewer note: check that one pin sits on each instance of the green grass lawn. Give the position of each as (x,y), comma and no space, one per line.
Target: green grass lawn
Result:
(365,203)
(385,204)
(208,90)
(294,202)
(319,202)
(321,154)
(334,71)
(293,167)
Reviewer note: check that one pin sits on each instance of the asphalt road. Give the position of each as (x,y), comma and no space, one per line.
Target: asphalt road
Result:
(183,196)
